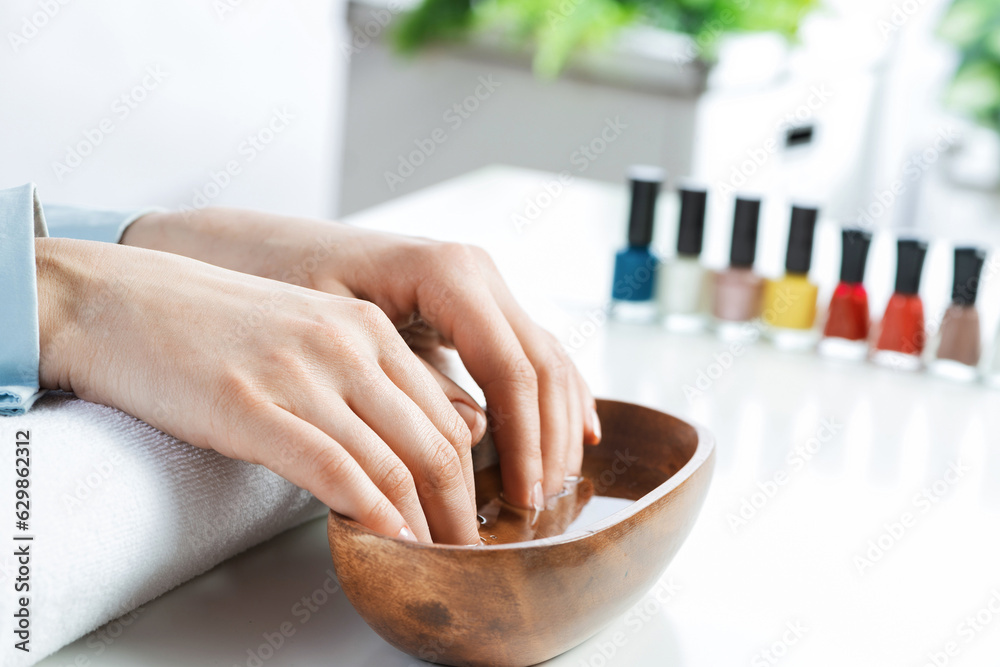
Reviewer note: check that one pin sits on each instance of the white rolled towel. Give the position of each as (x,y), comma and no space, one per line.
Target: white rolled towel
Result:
(119,514)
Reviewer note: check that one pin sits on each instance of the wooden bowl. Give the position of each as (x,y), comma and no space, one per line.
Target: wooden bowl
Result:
(523,603)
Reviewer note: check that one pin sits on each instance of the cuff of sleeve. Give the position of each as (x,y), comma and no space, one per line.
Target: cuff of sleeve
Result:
(88,225)
(21,220)
(16,401)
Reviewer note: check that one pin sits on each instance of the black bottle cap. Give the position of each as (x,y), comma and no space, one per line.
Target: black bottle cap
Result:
(800,239)
(646,182)
(798,136)
(744,249)
(909,265)
(968,269)
(691,228)
(854,255)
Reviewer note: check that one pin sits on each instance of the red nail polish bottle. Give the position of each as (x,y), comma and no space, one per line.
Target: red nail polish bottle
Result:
(901,337)
(845,334)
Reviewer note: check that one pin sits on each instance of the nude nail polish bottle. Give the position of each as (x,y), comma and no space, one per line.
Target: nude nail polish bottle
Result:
(636,266)
(958,347)
(737,290)
(789,307)
(901,333)
(683,284)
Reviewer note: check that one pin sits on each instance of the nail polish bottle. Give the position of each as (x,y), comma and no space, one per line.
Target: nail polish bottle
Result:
(737,291)
(683,283)
(958,341)
(845,335)
(789,307)
(901,334)
(636,265)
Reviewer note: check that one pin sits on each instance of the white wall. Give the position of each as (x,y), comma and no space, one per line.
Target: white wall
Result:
(226,65)
(634,103)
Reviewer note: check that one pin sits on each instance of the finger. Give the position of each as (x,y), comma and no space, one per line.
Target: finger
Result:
(436,467)
(555,375)
(574,455)
(411,374)
(310,459)
(375,457)
(466,313)
(471,412)
(592,428)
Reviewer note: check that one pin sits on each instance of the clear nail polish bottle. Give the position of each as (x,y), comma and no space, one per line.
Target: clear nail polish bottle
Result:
(636,266)
(683,285)
(957,346)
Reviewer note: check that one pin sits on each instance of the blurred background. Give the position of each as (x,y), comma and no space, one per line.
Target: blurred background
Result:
(885,112)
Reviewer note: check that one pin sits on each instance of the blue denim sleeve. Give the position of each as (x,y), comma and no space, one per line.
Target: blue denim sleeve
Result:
(90,225)
(21,220)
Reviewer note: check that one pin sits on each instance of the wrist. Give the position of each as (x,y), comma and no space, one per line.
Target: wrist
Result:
(64,270)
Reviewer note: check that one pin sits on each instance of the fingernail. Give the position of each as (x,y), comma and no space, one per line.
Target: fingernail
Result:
(406,534)
(594,422)
(538,497)
(475,419)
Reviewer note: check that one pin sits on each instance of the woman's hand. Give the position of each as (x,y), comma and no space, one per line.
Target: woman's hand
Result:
(319,388)
(540,409)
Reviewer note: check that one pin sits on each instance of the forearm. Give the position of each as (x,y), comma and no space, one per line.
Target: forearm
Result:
(260,244)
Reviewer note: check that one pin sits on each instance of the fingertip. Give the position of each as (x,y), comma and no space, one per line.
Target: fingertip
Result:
(474,418)
(593,427)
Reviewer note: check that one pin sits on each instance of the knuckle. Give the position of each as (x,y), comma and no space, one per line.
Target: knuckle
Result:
(458,434)
(329,467)
(522,373)
(557,367)
(457,256)
(236,396)
(444,468)
(373,320)
(380,513)
(396,482)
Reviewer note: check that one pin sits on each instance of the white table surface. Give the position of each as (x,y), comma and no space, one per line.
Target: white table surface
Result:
(734,591)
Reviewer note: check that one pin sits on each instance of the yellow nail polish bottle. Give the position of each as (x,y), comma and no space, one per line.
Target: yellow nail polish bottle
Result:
(790,302)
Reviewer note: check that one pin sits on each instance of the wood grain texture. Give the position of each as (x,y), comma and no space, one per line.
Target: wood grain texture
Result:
(520,604)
